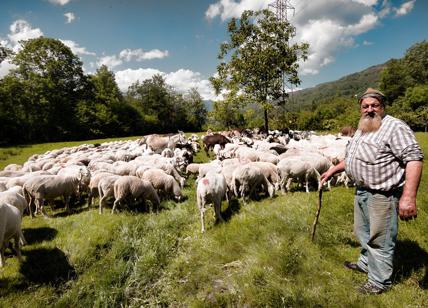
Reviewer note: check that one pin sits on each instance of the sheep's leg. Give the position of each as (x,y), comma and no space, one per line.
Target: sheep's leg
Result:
(22,239)
(90,198)
(102,199)
(2,259)
(217,210)
(288,186)
(67,203)
(116,202)
(201,207)
(18,246)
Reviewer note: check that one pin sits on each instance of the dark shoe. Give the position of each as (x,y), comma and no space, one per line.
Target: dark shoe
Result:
(370,288)
(353,266)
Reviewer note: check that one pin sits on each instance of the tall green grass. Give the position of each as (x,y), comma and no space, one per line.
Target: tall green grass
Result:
(261,256)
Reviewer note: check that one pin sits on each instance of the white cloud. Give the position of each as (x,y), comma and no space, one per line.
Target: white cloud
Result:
(140,54)
(59,2)
(366,2)
(109,61)
(5,67)
(76,49)
(229,8)
(22,30)
(70,17)
(327,25)
(405,8)
(367,43)
(127,55)
(182,80)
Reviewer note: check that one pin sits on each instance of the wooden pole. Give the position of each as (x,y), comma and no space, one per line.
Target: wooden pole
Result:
(314,225)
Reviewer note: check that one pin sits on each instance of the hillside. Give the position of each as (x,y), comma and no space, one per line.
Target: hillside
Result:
(348,86)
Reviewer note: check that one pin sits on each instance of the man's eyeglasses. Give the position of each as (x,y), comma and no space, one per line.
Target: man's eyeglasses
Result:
(374,106)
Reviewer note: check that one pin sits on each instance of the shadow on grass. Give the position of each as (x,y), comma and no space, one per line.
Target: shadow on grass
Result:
(233,208)
(38,235)
(410,257)
(46,266)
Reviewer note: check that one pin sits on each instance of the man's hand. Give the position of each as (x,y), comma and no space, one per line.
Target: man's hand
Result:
(407,208)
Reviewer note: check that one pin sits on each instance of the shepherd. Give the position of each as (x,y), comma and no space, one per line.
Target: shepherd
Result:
(385,161)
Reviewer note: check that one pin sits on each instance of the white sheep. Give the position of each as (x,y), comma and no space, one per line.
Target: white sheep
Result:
(106,189)
(295,169)
(247,179)
(10,228)
(163,182)
(211,189)
(49,187)
(134,188)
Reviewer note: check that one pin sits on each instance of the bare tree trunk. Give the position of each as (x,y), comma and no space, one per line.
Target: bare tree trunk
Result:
(266,120)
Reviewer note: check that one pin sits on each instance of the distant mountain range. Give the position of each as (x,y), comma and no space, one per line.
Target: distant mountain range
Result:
(349,86)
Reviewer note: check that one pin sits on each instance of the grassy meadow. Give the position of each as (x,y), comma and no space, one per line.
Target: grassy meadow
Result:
(261,256)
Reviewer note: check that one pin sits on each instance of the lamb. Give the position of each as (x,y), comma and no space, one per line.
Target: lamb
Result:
(135,188)
(163,182)
(10,228)
(247,178)
(211,189)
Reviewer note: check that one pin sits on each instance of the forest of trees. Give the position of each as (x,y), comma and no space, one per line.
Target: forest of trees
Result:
(47,97)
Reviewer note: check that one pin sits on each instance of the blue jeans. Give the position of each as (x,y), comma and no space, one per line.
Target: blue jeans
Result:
(376,227)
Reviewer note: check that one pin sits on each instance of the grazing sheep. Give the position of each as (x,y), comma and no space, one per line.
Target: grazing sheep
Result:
(293,168)
(163,182)
(211,189)
(93,185)
(14,197)
(49,187)
(247,179)
(106,189)
(270,171)
(10,228)
(135,188)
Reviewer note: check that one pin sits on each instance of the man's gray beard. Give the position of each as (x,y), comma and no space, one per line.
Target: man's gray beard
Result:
(369,124)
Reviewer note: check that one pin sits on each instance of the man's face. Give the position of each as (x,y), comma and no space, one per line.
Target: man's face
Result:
(372,112)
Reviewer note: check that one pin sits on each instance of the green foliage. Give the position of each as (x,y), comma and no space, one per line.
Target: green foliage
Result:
(48,98)
(259,59)
(165,110)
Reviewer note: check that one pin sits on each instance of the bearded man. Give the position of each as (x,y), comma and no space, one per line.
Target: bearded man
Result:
(385,162)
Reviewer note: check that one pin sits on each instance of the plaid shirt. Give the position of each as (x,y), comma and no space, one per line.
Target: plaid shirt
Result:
(377,160)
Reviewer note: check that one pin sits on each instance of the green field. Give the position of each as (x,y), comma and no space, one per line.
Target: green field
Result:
(261,256)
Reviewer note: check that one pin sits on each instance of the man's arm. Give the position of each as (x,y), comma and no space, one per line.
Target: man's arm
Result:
(332,171)
(407,205)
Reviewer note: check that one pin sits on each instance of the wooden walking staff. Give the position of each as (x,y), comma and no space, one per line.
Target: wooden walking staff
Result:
(314,225)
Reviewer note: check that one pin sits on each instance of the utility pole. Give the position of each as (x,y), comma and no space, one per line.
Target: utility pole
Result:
(281,8)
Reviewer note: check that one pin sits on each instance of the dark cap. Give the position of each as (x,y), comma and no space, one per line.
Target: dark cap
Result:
(373,93)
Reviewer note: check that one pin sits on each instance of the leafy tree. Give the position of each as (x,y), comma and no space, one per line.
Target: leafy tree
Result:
(260,58)
(53,82)
(411,70)
(227,113)
(195,110)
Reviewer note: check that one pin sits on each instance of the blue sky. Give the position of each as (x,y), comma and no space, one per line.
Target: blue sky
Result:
(180,39)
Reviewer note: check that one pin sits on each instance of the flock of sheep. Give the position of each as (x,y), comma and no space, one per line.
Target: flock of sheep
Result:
(156,167)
